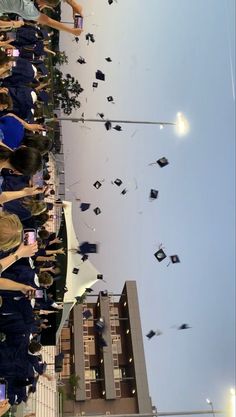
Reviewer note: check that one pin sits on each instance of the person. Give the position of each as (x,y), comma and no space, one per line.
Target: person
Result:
(4,407)
(30,10)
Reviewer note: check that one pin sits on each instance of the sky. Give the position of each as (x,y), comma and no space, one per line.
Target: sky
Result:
(167,56)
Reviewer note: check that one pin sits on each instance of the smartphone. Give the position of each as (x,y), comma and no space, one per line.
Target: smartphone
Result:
(30,236)
(11,35)
(44,133)
(3,389)
(78,21)
(12,52)
(39,294)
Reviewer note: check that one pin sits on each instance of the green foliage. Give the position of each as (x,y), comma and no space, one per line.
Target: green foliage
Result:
(74,381)
(66,90)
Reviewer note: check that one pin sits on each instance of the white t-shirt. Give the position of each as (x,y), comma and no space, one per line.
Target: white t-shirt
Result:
(24,8)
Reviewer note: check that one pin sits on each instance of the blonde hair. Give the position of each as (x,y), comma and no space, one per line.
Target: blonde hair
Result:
(35,207)
(10,231)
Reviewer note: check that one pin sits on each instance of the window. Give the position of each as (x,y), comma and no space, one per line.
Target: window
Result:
(66,366)
(114,313)
(117,373)
(116,344)
(89,344)
(90,375)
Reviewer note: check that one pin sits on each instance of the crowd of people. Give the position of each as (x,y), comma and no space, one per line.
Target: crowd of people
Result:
(28,250)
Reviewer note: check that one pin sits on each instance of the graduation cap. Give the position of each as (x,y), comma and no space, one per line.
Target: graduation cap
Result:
(84,206)
(77,39)
(97,211)
(102,342)
(153,194)
(108,59)
(184,326)
(110,2)
(118,182)
(95,85)
(42,68)
(100,75)
(104,293)
(87,247)
(174,259)
(87,314)
(88,290)
(101,115)
(110,98)
(160,255)
(162,162)
(97,184)
(124,191)
(118,128)
(100,324)
(81,60)
(75,271)
(99,276)
(108,125)
(150,334)
(43,96)
(84,258)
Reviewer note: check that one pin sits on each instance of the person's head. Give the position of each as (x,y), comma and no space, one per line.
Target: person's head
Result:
(4,58)
(10,231)
(46,177)
(26,161)
(51,3)
(43,234)
(42,218)
(52,192)
(42,143)
(6,102)
(45,279)
(34,347)
(34,206)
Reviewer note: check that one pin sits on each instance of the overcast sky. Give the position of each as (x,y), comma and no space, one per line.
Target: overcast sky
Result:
(167,56)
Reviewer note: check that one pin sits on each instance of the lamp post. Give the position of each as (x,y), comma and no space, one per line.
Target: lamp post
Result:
(211,405)
(180,124)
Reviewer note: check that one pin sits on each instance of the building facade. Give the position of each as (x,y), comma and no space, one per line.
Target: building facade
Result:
(104,371)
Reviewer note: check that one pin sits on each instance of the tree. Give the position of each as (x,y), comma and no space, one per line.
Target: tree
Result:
(60,58)
(66,90)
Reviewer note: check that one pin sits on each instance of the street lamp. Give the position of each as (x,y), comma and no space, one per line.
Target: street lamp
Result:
(211,405)
(180,124)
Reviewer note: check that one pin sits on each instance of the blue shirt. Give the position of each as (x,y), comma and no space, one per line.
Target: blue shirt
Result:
(12,131)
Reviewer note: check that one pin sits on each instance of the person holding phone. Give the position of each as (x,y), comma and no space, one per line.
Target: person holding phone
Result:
(30,10)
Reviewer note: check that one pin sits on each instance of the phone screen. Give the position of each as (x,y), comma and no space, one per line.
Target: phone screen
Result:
(13,52)
(29,236)
(39,294)
(2,391)
(78,21)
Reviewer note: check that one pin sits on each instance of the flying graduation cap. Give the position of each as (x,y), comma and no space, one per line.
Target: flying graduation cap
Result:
(89,37)
(174,259)
(87,314)
(108,125)
(124,191)
(95,85)
(97,211)
(75,271)
(100,76)
(118,128)
(88,290)
(110,99)
(162,162)
(84,206)
(97,184)
(108,59)
(87,247)
(160,255)
(118,182)
(184,326)
(152,333)
(101,115)
(81,60)
(100,276)
(153,194)
(84,258)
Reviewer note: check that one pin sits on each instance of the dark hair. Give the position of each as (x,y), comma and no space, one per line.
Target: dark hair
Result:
(42,218)
(46,176)
(6,99)
(34,346)
(43,234)
(52,192)
(4,59)
(39,142)
(50,206)
(26,160)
